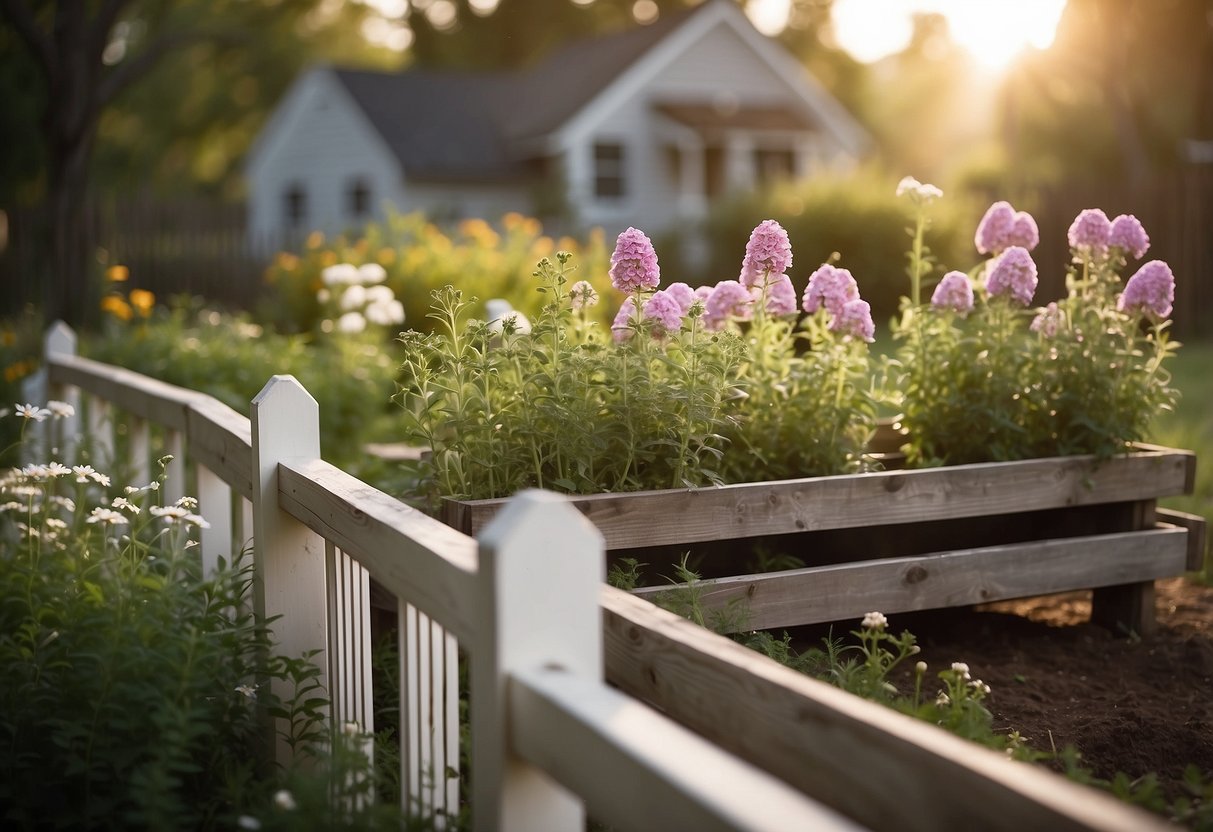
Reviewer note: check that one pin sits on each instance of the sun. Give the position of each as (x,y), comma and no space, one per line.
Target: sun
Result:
(994,32)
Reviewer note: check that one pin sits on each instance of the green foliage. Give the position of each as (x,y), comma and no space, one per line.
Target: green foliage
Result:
(20,357)
(560,406)
(856,214)
(420,257)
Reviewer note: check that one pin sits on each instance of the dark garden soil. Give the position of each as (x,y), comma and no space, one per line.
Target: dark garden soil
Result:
(1128,704)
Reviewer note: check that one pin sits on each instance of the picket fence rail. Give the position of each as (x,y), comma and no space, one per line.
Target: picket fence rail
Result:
(687,731)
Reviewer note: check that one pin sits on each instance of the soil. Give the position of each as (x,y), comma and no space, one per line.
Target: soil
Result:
(1126,703)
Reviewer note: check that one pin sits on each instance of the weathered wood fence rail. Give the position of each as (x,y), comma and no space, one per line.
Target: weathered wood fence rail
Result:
(692,732)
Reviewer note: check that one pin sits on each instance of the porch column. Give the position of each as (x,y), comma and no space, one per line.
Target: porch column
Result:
(692,179)
(739,162)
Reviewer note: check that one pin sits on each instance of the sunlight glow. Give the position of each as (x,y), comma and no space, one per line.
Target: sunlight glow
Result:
(769,16)
(994,32)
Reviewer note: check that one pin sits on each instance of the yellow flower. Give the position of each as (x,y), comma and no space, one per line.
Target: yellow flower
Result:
(315,239)
(531,226)
(386,256)
(512,220)
(287,261)
(117,274)
(542,247)
(116,306)
(143,300)
(567,244)
(8,338)
(328,258)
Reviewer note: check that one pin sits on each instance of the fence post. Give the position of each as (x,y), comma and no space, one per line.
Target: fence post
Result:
(541,571)
(289,557)
(62,433)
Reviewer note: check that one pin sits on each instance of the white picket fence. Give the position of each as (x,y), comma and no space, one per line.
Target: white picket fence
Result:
(550,740)
(740,742)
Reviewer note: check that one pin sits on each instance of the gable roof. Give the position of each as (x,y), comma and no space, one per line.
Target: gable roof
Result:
(455,126)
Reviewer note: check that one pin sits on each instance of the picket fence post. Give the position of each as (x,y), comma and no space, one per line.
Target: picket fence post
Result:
(289,557)
(541,571)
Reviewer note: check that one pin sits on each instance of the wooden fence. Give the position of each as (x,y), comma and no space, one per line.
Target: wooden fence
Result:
(693,731)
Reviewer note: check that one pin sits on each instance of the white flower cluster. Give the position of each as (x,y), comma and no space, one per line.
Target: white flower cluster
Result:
(874,621)
(361,297)
(53,409)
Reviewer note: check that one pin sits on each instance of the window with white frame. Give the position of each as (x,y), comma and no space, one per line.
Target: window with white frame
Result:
(609,173)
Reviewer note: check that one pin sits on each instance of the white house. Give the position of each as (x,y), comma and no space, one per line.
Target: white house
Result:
(641,128)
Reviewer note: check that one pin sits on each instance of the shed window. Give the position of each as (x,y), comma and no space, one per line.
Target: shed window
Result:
(774,166)
(358,199)
(295,205)
(608,170)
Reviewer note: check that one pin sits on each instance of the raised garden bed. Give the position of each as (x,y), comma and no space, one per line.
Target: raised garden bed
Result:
(902,540)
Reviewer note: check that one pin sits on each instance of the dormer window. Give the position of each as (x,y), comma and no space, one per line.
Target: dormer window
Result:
(358,199)
(608,170)
(295,205)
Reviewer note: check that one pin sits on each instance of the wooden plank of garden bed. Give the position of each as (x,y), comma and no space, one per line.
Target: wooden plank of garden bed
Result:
(881,768)
(947,579)
(654,518)
(1197,534)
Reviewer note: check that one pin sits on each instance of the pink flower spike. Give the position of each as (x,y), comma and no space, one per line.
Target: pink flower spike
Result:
(682,293)
(769,252)
(1129,236)
(830,287)
(995,228)
(855,319)
(954,292)
(781,296)
(634,262)
(1013,274)
(728,300)
(621,327)
(1151,291)
(1090,231)
(1024,232)
(664,311)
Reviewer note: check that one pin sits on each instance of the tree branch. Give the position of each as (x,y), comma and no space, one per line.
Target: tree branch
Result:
(132,69)
(22,18)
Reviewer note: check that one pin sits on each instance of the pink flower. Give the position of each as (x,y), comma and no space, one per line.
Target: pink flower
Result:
(703,292)
(1128,235)
(995,228)
(728,300)
(829,287)
(582,295)
(682,293)
(1151,290)
(1048,321)
(767,253)
(1090,231)
(954,292)
(1024,232)
(1013,274)
(634,262)
(855,319)
(781,296)
(665,312)
(621,327)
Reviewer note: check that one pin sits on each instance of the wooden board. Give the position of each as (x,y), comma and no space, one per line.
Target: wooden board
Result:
(881,768)
(412,555)
(147,398)
(653,518)
(948,579)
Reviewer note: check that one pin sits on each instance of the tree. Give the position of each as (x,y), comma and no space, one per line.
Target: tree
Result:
(89,56)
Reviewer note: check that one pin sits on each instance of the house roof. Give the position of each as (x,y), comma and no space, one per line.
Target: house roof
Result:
(455,126)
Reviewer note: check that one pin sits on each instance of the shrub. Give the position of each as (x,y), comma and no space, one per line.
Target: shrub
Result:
(419,257)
